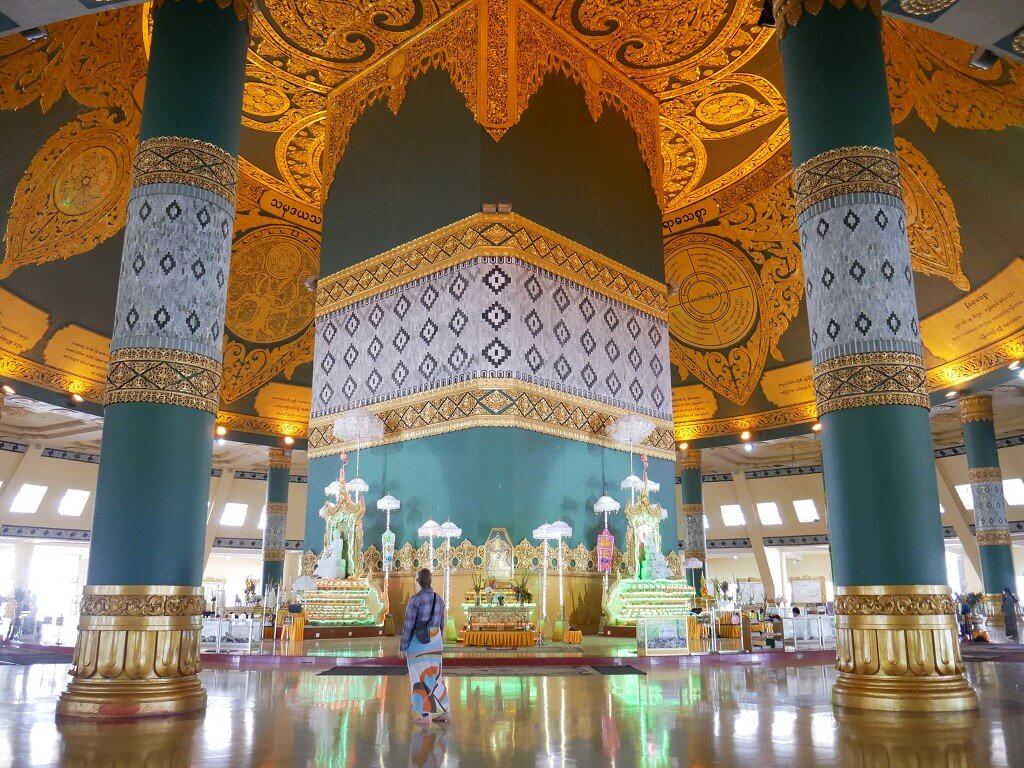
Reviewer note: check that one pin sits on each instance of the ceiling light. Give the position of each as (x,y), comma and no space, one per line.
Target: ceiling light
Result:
(289,440)
(8,389)
(683,446)
(77,397)
(745,434)
(221,430)
(748,447)
(1015,365)
(220,441)
(816,426)
(951,394)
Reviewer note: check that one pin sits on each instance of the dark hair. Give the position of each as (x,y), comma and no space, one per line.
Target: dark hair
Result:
(423,577)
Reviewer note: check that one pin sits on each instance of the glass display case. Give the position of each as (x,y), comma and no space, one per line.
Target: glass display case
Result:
(662,635)
(808,631)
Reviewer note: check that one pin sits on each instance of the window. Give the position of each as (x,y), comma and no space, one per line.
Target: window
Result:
(806,511)
(234,514)
(707,523)
(263,519)
(1013,490)
(73,502)
(732,515)
(768,512)
(964,492)
(942,510)
(28,499)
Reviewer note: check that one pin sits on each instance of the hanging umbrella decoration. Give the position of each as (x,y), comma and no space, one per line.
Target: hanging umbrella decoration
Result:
(631,429)
(448,530)
(605,540)
(430,530)
(387,505)
(358,426)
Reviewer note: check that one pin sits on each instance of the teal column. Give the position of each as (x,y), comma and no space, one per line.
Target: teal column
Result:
(692,512)
(869,375)
(138,646)
(990,524)
(278,475)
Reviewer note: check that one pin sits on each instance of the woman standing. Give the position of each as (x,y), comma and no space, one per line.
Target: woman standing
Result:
(1010,614)
(422,646)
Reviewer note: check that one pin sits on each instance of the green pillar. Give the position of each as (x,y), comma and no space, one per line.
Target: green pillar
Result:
(692,512)
(896,637)
(278,473)
(138,645)
(990,523)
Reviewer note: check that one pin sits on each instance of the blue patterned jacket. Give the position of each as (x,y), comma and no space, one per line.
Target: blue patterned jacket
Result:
(417,610)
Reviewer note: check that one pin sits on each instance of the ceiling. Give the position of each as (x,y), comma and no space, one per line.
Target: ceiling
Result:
(720,164)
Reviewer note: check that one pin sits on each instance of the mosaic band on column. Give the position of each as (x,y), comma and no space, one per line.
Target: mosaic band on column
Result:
(137,653)
(279,463)
(865,341)
(274,531)
(991,525)
(897,649)
(169,321)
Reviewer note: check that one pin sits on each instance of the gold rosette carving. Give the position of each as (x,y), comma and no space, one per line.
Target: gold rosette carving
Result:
(137,653)
(897,649)
(976,408)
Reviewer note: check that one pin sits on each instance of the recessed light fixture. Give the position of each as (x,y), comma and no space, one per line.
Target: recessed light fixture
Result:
(1014,365)
(748,447)
(745,434)
(951,394)
(221,430)
(683,446)
(8,389)
(816,426)
(289,440)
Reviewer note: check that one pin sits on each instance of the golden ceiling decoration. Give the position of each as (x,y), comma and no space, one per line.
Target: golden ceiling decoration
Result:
(519,47)
(737,283)
(74,194)
(929,75)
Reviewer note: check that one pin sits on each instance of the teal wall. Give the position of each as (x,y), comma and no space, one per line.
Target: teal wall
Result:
(997,568)
(980,441)
(491,477)
(406,175)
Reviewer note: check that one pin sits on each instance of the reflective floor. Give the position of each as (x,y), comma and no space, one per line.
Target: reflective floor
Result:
(733,715)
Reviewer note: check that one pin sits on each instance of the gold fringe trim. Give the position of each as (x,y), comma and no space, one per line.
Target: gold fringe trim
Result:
(166,376)
(873,378)
(976,408)
(846,170)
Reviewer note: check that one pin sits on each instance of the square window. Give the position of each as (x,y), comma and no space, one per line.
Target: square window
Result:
(768,513)
(707,523)
(964,492)
(1013,490)
(732,515)
(234,514)
(806,510)
(73,503)
(263,519)
(942,510)
(28,499)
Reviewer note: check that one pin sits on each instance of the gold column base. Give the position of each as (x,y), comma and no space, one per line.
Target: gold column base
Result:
(137,654)
(898,650)
(879,739)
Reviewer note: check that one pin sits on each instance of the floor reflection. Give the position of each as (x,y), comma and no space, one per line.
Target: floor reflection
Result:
(695,716)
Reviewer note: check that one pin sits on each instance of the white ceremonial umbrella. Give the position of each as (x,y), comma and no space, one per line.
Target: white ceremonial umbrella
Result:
(542,533)
(448,530)
(357,485)
(358,426)
(556,531)
(430,530)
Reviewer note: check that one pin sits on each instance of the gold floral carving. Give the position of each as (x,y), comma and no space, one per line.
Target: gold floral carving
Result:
(686,510)
(74,194)
(976,408)
(278,458)
(933,228)
(242,8)
(245,370)
(137,653)
(929,74)
(996,538)
(985,475)
(267,300)
(789,12)
(184,160)
(491,234)
(897,649)
(691,459)
(870,378)
(925,7)
(496,53)
(753,422)
(169,376)
(243,422)
(844,171)
(491,403)
(273,555)
(299,153)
